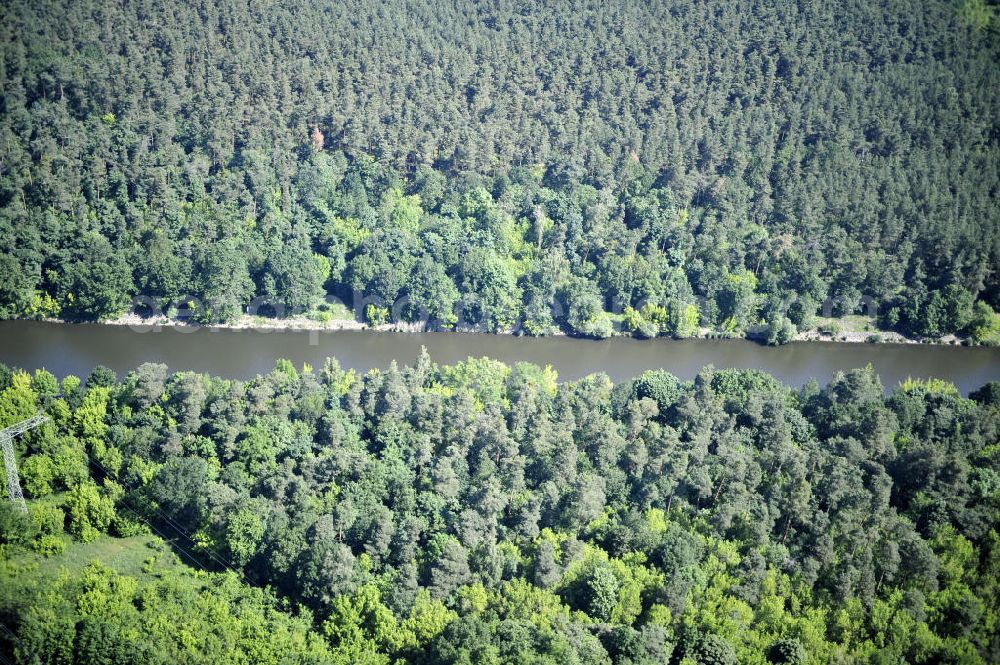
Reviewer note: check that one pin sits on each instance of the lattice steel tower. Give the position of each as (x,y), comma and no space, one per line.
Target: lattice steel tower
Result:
(7,443)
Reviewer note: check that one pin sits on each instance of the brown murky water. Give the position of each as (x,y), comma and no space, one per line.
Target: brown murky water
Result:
(77,348)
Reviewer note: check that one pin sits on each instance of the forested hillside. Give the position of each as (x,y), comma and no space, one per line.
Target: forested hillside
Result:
(662,165)
(481,513)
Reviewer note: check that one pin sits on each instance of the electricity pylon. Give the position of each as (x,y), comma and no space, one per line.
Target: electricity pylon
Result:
(7,443)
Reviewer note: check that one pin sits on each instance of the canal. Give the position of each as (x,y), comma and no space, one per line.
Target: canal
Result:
(77,348)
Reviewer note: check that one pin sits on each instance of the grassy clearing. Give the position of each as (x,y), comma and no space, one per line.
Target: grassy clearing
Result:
(128,556)
(26,577)
(854,323)
(327,312)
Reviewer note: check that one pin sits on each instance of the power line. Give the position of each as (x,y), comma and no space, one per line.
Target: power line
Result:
(135,512)
(14,489)
(15,638)
(16,496)
(224,563)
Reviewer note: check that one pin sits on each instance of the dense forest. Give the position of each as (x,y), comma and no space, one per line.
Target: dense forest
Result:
(482,513)
(655,167)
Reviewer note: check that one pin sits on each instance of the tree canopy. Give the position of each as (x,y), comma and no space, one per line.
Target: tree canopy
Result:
(483,513)
(736,166)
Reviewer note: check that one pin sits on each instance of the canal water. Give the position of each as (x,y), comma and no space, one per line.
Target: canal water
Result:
(77,348)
